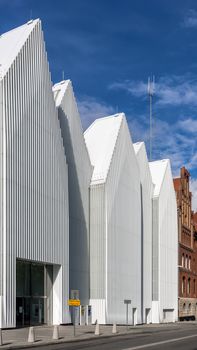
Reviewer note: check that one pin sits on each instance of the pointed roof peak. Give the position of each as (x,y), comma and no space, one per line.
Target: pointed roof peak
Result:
(138,146)
(59,90)
(111,119)
(158,170)
(101,138)
(11,43)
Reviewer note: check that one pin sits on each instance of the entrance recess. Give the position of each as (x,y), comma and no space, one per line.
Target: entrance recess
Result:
(33,293)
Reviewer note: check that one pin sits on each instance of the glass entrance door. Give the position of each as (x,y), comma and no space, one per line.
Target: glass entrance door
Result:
(33,293)
(29,311)
(26,308)
(19,312)
(37,311)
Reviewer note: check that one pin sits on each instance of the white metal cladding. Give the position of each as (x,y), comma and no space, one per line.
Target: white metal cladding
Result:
(101,152)
(165,242)
(146,217)
(34,188)
(79,177)
(115,221)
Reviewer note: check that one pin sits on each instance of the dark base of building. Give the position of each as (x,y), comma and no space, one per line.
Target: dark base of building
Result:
(187,309)
(187,318)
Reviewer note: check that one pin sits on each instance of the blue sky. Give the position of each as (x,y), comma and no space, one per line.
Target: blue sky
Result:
(108,49)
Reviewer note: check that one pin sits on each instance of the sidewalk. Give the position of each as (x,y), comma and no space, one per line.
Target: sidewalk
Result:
(17,338)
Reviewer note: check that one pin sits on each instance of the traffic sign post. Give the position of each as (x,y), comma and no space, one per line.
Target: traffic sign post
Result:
(127,302)
(74,303)
(74,321)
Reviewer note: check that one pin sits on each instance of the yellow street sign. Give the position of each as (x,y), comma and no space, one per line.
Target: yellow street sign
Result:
(74,302)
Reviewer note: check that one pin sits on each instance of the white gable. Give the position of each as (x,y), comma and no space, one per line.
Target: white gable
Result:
(11,43)
(158,170)
(100,139)
(59,90)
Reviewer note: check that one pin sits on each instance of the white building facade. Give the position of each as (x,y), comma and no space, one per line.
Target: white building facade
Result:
(81,212)
(34,224)
(165,244)
(79,177)
(115,222)
(146,226)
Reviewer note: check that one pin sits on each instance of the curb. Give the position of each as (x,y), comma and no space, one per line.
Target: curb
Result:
(39,343)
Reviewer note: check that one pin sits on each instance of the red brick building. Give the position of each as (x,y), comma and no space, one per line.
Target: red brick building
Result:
(187,235)
(195,222)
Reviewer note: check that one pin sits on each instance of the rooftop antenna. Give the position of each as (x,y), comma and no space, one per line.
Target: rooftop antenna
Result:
(151,90)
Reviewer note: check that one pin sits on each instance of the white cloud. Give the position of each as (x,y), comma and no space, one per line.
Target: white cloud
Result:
(190,20)
(138,128)
(169,141)
(174,140)
(91,109)
(135,88)
(188,125)
(174,90)
(177,92)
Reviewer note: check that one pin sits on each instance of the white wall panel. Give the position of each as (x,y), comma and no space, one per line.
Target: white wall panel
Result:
(168,288)
(79,177)
(98,310)
(34,172)
(165,243)
(97,243)
(146,219)
(115,224)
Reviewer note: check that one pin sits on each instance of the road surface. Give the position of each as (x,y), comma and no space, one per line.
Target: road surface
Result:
(182,337)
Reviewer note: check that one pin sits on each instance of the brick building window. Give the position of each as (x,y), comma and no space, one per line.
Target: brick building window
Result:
(188,286)
(190,262)
(183,259)
(183,285)
(186,262)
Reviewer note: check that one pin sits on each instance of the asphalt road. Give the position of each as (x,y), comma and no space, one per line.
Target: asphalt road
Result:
(182,337)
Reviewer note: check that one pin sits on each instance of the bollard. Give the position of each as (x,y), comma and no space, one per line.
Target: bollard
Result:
(55,332)
(1,339)
(97,332)
(114,329)
(31,336)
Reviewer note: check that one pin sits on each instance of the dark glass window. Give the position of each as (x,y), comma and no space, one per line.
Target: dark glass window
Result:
(37,280)
(29,279)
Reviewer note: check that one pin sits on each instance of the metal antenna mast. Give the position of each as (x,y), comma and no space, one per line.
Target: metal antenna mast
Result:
(151,90)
